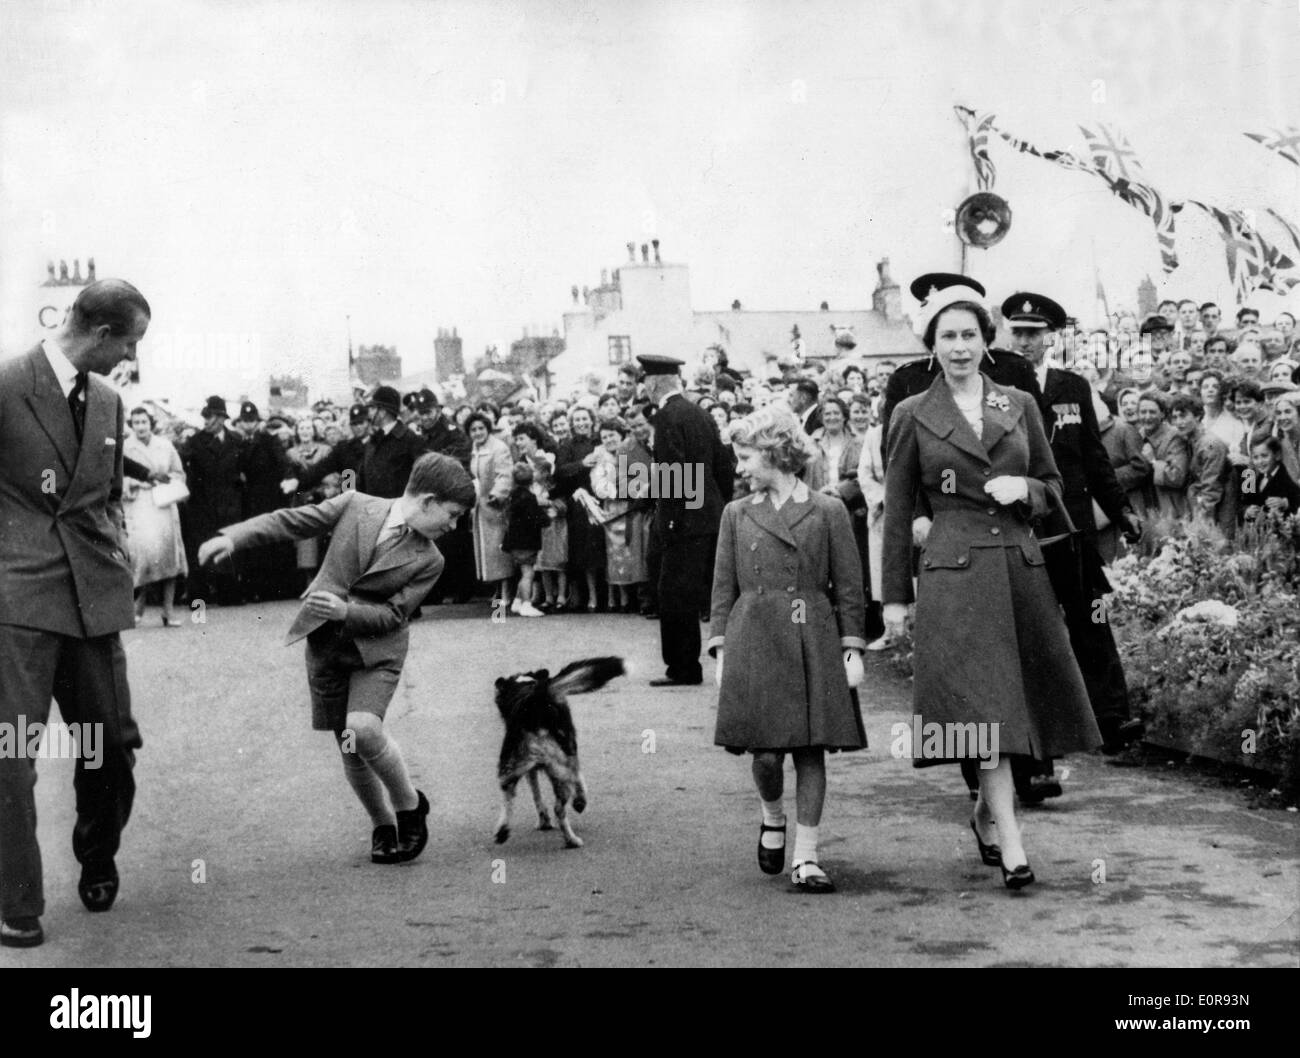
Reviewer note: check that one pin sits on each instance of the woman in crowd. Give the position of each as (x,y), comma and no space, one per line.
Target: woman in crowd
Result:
(860,418)
(624,543)
(991,647)
(837,450)
(1165,494)
(1123,444)
(1286,428)
(306,452)
(552,559)
(491,466)
(153,532)
(1127,403)
(573,462)
(608,408)
(558,424)
(855,379)
(785,685)
(1217,418)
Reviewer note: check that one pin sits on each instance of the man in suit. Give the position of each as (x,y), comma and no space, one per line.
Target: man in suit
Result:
(1074,562)
(381,562)
(687,452)
(803,402)
(66,592)
(211,459)
(267,572)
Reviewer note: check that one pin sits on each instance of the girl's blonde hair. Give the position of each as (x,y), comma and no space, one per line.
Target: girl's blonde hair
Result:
(775,431)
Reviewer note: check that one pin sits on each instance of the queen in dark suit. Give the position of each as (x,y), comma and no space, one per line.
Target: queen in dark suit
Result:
(991,647)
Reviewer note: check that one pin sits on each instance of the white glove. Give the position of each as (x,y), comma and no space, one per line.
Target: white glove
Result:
(921,530)
(1007,489)
(853,670)
(895,616)
(717,672)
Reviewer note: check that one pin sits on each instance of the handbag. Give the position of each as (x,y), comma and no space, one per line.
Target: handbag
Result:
(170,493)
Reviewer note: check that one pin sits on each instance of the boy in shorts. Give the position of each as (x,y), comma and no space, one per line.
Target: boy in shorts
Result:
(381,562)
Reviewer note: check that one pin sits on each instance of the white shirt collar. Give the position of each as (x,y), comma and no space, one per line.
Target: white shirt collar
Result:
(64,369)
(394,518)
(1041,373)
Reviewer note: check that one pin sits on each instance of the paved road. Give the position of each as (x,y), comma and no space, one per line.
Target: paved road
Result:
(232,775)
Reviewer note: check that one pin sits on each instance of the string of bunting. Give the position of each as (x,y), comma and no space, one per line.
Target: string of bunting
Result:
(1252,260)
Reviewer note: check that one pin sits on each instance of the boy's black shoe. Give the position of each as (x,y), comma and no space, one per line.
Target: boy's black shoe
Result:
(413,829)
(383,844)
(21,933)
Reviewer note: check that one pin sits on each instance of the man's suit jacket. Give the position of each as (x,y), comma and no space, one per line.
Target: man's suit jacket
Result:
(63,562)
(687,437)
(380,598)
(1070,420)
(212,474)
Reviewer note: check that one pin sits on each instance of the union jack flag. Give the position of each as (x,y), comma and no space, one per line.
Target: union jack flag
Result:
(978,127)
(1285,142)
(1111,153)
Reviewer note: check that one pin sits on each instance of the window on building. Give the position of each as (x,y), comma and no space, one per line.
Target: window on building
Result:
(620,349)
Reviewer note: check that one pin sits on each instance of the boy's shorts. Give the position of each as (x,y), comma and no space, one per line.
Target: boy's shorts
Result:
(524,558)
(339,681)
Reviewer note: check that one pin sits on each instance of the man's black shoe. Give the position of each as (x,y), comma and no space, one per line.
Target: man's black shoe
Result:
(1116,733)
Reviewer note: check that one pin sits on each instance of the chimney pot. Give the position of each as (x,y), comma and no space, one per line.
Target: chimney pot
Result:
(655,244)
(631,253)
(645,253)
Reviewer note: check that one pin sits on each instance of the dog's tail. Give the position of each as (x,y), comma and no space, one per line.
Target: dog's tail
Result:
(588,675)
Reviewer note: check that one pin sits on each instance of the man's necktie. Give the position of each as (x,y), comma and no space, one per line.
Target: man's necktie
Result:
(396,534)
(77,404)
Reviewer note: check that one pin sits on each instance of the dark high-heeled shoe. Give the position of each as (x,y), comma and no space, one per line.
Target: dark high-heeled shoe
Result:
(1019,878)
(990,854)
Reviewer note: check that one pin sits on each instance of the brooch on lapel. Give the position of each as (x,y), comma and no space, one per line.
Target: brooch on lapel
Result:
(999,401)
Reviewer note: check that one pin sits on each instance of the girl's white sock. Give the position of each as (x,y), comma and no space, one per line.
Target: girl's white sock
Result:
(805,843)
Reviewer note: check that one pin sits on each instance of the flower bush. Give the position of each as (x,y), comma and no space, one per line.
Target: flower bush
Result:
(1209,632)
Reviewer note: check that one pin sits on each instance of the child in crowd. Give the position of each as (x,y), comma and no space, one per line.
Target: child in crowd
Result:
(380,563)
(525,521)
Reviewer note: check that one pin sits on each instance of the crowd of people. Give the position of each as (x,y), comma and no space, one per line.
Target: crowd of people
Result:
(973,489)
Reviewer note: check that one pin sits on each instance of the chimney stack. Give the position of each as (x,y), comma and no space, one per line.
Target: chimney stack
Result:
(631,253)
(604,277)
(645,254)
(655,244)
(90,270)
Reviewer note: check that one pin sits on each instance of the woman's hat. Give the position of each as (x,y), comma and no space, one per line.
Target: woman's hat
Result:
(937,290)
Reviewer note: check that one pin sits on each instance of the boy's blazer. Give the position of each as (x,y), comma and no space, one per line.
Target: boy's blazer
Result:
(380,598)
(63,559)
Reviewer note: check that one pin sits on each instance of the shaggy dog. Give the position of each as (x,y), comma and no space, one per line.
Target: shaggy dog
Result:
(540,738)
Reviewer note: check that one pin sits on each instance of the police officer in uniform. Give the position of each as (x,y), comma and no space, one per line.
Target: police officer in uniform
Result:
(1074,562)
(685,439)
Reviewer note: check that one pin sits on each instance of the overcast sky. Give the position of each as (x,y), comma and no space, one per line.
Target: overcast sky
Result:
(272,168)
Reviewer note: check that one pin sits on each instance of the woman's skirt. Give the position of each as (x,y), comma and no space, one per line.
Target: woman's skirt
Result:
(993,663)
(624,543)
(154,539)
